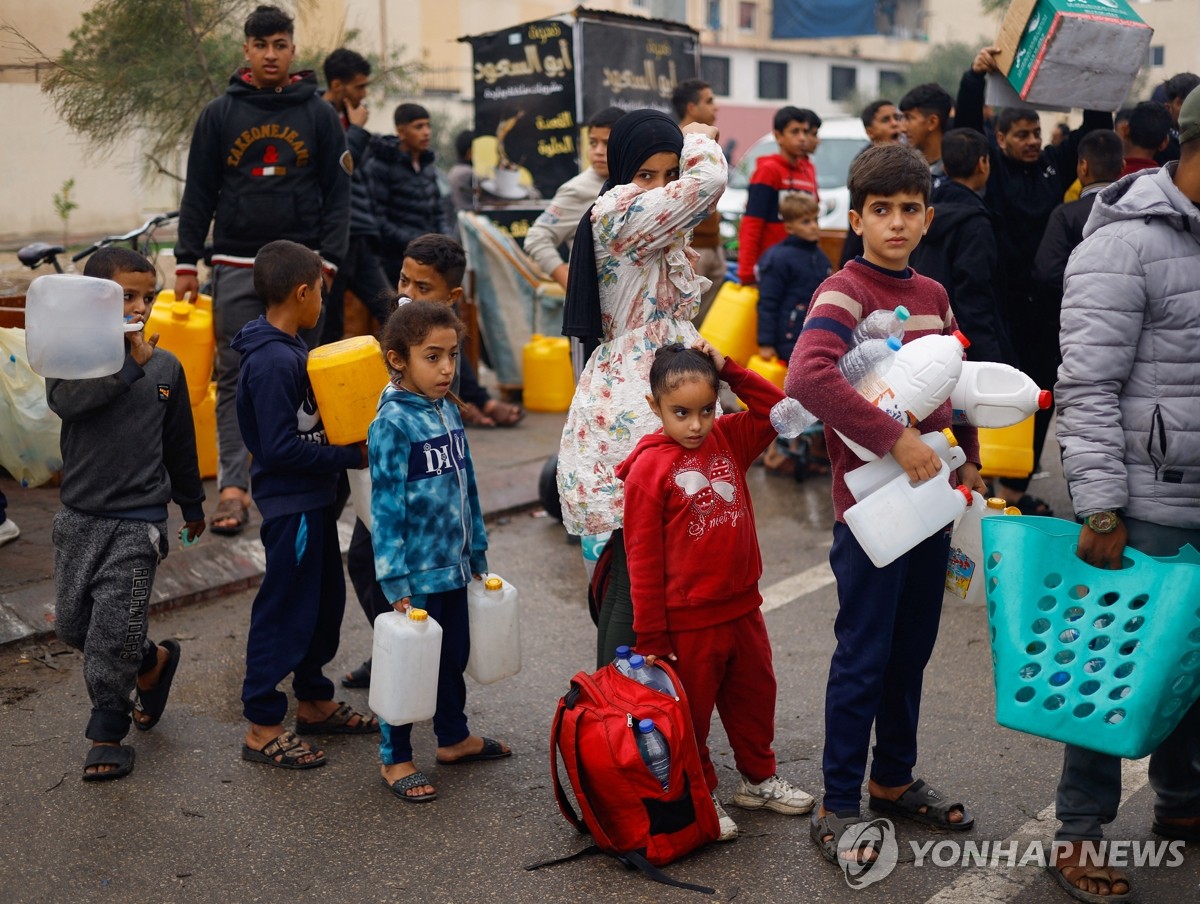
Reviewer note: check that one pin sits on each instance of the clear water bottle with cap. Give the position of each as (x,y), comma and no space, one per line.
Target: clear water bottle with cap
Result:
(882,324)
(650,675)
(653,748)
(867,359)
(622,659)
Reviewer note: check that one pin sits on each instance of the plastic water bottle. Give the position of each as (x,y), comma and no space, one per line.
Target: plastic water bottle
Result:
(989,394)
(650,675)
(790,418)
(866,479)
(882,324)
(622,659)
(901,514)
(653,748)
(870,357)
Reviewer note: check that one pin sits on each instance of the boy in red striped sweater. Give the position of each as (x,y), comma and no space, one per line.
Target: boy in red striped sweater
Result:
(888,617)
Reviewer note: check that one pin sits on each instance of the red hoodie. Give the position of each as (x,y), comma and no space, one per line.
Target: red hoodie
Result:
(761,227)
(690,539)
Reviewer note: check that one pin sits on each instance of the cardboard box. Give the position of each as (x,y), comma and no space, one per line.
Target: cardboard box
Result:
(1072,53)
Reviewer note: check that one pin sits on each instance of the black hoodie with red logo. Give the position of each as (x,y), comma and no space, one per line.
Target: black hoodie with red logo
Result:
(268,164)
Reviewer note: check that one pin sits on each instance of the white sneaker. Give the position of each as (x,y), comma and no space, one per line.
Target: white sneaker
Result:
(9,531)
(729,829)
(776,794)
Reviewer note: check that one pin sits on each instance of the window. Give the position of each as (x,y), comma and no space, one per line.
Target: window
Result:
(1157,56)
(715,71)
(747,16)
(712,18)
(772,80)
(843,81)
(890,82)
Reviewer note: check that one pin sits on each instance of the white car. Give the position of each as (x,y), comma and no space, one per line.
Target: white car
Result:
(841,140)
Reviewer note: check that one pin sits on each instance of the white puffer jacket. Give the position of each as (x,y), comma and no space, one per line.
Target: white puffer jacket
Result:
(1128,392)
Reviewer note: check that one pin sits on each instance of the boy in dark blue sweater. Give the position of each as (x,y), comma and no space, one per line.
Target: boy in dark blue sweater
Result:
(297,614)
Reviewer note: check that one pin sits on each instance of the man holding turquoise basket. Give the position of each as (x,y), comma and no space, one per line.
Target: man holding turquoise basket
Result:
(1128,398)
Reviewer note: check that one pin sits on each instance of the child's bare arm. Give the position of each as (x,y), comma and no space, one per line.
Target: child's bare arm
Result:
(919,461)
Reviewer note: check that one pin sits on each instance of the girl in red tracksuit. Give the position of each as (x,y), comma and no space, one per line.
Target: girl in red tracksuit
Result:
(694,562)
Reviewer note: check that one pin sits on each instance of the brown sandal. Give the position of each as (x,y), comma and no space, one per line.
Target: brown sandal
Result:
(230,509)
(286,751)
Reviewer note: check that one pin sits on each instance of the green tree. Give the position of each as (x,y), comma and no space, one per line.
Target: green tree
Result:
(151,66)
(64,204)
(944,64)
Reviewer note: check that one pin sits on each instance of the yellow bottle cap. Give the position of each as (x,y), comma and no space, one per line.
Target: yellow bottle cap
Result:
(417,615)
(950,437)
(181,310)
(995,502)
(1012,510)
(494,584)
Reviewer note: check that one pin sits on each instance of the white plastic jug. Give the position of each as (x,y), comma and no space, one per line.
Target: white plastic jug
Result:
(964,567)
(989,394)
(866,479)
(360,494)
(75,326)
(404,666)
(900,514)
(921,377)
(494,616)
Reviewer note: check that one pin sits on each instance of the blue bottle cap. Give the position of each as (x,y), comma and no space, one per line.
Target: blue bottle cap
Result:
(623,652)
(637,661)
(645,726)
(894,343)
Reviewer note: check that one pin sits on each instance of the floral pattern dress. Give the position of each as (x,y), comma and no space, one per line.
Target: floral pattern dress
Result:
(649,293)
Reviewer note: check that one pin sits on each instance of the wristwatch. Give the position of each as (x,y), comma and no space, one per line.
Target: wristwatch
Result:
(1102,522)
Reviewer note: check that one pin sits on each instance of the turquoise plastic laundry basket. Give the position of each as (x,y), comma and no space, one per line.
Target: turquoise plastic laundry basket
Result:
(1104,659)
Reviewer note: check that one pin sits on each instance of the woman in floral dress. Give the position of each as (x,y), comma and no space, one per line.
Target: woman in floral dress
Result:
(636,291)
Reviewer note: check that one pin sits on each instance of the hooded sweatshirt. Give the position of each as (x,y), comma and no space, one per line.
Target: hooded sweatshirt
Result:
(761,227)
(268,163)
(690,539)
(1128,391)
(406,197)
(294,469)
(427,525)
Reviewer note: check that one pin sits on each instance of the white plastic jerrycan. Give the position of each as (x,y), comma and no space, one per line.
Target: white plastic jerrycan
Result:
(75,326)
(901,514)
(494,616)
(866,479)
(920,378)
(964,567)
(360,494)
(404,666)
(989,394)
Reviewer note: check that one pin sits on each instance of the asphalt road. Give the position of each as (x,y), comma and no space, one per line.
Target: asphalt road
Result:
(194,823)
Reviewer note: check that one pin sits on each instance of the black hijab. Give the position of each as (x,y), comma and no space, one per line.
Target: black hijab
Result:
(635,138)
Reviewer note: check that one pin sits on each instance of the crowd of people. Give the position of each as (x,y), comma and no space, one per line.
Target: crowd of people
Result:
(958,217)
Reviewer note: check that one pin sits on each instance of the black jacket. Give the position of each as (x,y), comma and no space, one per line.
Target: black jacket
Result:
(788,274)
(1022,195)
(268,164)
(407,201)
(1064,232)
(362,212)
(959,251)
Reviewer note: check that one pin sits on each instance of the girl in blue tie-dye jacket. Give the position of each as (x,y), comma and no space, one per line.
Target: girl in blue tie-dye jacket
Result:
(427,526)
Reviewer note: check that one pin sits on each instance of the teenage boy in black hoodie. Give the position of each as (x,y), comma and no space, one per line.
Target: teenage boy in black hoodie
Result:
(297,614)
(268,161)
(959,249)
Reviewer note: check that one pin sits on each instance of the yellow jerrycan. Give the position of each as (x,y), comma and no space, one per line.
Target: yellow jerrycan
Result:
(731,326)
(347,378)
(1007,451)
(773,371)
(204,418)
(186,331)
(167,297)
(549,381)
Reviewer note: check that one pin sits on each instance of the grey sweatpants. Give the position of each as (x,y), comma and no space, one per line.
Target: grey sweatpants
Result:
(103,573)
(1089,790)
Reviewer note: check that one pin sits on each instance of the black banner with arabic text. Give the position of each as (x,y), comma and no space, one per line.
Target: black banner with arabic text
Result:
(633,67)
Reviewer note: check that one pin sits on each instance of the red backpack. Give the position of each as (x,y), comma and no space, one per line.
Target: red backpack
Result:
(621,804)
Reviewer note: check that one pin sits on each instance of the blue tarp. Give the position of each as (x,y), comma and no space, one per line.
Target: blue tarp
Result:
(823,18)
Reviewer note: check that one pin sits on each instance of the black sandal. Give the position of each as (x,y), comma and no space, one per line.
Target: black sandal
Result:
(401,786)
(1031,505)
(339,722)
(835,826)
(289,749)
(924,804)
(104,755)
(360,677)
(153,702)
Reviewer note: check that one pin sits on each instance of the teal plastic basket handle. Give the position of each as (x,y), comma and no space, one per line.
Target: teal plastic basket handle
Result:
(1107,659)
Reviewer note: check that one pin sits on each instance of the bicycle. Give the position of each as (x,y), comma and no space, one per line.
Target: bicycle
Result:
(38,253)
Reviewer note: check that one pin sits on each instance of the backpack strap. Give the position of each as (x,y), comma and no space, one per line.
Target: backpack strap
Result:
(635,858)
(560,794)
(554,861)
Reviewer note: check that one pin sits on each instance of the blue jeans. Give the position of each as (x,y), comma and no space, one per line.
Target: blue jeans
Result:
(1089,791)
